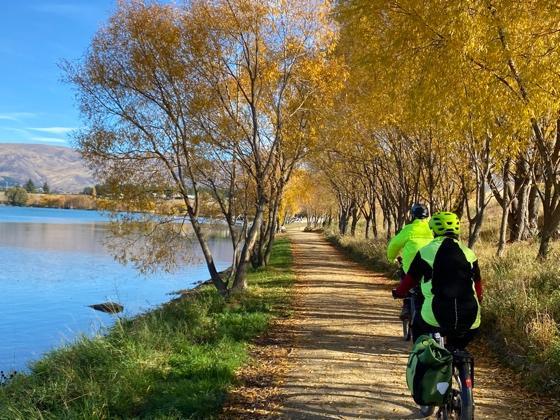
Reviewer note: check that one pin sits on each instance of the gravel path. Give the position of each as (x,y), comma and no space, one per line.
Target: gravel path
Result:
(348,358)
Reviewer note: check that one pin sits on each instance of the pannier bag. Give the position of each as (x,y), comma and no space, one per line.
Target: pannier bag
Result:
(429,371)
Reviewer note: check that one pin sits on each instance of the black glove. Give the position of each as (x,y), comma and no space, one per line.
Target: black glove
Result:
(394,293)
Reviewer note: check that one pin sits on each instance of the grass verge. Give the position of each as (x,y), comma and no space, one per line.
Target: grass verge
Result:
(369,252)
(175,362)
(521,311)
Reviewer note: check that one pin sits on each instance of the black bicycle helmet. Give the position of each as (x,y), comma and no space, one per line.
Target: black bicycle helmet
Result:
(419,211)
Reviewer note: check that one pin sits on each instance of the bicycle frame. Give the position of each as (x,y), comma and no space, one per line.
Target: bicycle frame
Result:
(459,401)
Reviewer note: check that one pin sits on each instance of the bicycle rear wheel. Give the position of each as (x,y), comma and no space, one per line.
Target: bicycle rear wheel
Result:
(407,315)
(465,390)
(407,332)
(427,410)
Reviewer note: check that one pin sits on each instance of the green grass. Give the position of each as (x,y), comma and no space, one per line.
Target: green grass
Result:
(176,362)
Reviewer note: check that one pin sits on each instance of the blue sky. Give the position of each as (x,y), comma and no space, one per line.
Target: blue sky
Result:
(35,35)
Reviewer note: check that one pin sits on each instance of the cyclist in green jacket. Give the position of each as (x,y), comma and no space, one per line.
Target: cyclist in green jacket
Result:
(409,240)
(450,282)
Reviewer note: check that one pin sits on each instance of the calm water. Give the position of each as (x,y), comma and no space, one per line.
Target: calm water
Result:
(53,264)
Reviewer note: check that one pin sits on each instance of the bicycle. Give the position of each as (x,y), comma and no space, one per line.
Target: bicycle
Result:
(406,315)
(411,313)
(459,403)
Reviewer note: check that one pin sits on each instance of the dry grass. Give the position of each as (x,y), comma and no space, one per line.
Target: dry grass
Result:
(61,201)
(521,307)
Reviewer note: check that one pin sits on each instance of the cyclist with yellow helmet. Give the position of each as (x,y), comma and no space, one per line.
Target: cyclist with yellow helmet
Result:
(448,274)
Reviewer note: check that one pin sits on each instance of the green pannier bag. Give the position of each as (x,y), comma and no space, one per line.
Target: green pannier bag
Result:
(429,371)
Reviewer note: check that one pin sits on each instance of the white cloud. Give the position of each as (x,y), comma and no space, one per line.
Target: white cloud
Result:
(16,116)
(53,130)
(48,140)
(20,131)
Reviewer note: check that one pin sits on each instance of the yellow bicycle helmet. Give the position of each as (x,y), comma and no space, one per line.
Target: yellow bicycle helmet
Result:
(445,222)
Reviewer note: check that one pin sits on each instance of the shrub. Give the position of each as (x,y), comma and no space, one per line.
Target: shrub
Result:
(521,310)
(16,196)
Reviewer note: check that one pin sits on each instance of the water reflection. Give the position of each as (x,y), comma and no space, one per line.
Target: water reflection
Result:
(86,238)
(52,271)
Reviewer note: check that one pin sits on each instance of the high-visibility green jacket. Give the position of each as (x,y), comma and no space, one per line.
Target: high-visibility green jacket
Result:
(408,241)
(448,272)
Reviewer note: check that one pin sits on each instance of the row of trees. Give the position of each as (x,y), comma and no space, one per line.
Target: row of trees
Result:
(450,104)
(218,98)
(364,105)
(30,187)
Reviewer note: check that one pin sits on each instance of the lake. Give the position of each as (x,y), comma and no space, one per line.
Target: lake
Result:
(53,264)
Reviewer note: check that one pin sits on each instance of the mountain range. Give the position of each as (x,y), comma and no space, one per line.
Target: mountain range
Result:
(61,167)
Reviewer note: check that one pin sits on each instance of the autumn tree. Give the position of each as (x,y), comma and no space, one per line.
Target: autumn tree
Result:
(482,77)
(308,193)
(212,96)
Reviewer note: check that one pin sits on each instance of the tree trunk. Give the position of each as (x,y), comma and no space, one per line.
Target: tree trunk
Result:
(551,196)
(519,208)
(355,218)
(328,221)
(343,220)
(481,164)
(220,285)
(503,232)
(271,234)
(257,254)
(459,206)
(475,231)
(505,202)
(240,277)
(534,207)
(389,227)
(374,219)
(546,236)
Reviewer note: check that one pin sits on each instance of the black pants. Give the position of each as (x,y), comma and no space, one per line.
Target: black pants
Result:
(454,339)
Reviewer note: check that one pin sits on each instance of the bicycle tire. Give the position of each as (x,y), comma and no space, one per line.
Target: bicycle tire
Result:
(406,329)
(409,338)
(467,400)
(427,410)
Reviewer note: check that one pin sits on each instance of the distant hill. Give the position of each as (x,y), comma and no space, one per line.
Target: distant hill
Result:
(61,167)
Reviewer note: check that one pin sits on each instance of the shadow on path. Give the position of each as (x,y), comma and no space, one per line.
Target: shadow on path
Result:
(349,358)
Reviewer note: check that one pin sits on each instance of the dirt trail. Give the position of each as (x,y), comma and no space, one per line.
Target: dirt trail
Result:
(348,358)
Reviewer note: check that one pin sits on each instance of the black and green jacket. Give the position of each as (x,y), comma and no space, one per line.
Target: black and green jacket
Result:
(449,278)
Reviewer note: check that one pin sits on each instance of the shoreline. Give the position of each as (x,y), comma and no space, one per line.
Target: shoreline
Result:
(179,359)
(48,305)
